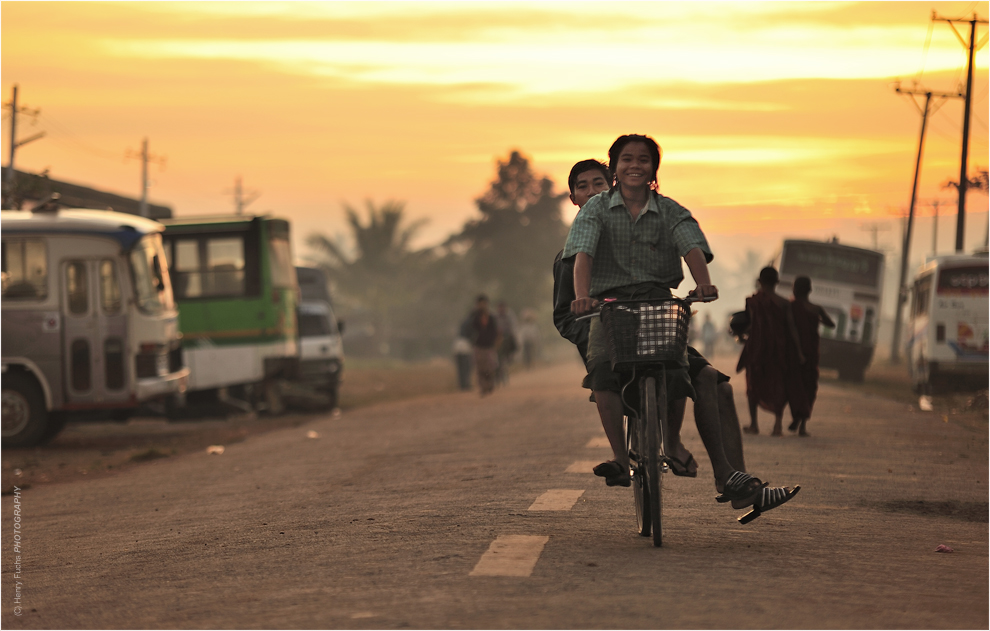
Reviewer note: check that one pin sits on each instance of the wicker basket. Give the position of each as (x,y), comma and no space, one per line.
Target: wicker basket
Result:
(645,331)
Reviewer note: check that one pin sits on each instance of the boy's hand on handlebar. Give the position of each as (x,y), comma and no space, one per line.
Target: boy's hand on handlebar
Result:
(705,293)
(581,306)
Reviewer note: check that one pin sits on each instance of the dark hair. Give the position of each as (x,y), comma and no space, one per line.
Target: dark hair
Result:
(481,297)
(587,165)
(656,153)
(769,276)
(802,286)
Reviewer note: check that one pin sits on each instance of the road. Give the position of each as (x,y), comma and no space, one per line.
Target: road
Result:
(388,516)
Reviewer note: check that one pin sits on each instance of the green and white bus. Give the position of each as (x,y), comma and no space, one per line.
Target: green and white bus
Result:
(236,289)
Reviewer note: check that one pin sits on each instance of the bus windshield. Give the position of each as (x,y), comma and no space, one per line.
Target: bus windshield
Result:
(152,287)
(827,262)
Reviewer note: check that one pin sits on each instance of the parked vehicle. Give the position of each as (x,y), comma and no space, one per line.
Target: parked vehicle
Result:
(90,327)
(236,289)
(949,322)
(321,352)
(846,281)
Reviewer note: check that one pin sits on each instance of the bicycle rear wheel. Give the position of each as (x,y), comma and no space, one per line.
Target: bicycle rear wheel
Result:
(634,443)
(654,462)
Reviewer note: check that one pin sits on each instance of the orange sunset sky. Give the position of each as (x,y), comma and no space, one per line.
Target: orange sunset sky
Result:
(776,119)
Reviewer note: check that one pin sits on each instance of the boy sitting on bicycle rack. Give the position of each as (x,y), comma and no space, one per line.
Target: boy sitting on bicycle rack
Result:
(628,244)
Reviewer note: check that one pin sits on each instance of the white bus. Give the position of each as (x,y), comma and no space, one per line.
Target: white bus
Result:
(90,328)
(846,281)
(949,307)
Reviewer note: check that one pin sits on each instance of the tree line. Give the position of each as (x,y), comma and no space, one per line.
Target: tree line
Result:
(402,302)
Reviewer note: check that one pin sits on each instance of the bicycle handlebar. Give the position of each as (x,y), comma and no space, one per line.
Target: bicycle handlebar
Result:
(689,299)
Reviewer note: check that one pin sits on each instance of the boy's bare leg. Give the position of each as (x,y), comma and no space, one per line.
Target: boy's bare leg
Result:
(729,421)
(610,409)
(709,426)
(674,423)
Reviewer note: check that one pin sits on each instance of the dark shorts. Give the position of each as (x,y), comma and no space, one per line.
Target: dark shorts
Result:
(697,362)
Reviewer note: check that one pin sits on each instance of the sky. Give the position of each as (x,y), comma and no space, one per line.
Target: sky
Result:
(776,118)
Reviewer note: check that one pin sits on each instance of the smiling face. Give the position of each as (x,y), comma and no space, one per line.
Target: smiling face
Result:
(634,169)
(587,185)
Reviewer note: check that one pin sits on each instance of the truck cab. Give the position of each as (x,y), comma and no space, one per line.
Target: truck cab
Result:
(321,351)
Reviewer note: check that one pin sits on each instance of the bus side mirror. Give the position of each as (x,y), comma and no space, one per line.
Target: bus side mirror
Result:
(340,327)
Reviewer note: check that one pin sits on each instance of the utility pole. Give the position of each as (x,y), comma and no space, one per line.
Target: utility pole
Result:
(963,177)
(875,228)
(8,185)
(240,201)
(895,351)
(145,158)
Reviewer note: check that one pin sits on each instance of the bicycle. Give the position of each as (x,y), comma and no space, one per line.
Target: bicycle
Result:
(644,338)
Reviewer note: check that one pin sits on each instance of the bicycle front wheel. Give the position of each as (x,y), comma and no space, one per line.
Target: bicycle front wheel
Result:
(635,442)
(654,461)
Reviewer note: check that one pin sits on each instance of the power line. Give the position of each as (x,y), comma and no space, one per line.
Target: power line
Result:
(61,131)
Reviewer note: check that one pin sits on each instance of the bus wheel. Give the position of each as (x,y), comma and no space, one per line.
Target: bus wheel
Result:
(274,403)
(24,417)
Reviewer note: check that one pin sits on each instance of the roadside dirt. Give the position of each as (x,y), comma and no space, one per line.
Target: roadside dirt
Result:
(86,450)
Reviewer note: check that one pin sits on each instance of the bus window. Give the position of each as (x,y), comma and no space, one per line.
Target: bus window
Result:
(826,262)
(152,288)
(188,279)
(225,264)
(283,273)
(25,270)
(77,287)
(109,287)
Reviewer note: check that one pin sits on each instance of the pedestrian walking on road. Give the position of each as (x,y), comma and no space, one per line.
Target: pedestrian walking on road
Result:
(462,354)
(529,333)
(508,344)
(485,339)
(708,336)
(764,357)
(802,385)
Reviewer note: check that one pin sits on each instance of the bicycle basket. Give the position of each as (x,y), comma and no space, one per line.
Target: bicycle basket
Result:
(645,332)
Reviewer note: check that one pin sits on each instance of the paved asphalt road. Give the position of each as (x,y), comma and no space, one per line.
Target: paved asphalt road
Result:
(397,516)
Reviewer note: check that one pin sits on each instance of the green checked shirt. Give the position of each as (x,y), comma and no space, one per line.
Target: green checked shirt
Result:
(627,252)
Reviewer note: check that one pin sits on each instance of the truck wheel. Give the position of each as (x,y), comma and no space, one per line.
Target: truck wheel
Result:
(24,417)
(56,423)
(333,395)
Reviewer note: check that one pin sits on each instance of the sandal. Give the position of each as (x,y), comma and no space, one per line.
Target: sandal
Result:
(746,490)
(614,473)
(685,469)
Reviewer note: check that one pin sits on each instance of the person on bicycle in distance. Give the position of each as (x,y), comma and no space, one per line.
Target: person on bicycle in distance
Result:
(628,244)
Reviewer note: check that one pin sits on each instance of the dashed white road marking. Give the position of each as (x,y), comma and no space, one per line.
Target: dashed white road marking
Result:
(557,499)
(598,441)
(582,466)
(510,555)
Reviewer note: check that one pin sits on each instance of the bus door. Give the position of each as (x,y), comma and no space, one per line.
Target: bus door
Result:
(94,332)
